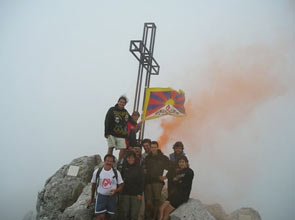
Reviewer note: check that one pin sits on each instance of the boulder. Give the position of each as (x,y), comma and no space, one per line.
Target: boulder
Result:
(217,211)
(245,214)
(62,191)
(80,210)
(192,210)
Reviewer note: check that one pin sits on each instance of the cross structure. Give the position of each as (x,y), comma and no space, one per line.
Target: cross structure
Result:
(143,51)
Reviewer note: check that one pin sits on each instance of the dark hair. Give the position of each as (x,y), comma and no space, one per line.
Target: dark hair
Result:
(138,145)
(135,113)
(155,142)
(124,98)
(182,158)
(130,154)
(146,140)
(109,155)
(178,144)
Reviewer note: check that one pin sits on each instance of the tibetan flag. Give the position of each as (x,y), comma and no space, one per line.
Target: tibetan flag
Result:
(163,101)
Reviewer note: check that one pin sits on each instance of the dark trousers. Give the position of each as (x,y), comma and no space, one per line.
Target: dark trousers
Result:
(129,207)
(153,197)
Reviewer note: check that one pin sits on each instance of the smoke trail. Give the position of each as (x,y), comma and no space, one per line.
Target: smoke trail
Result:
(241,81)
(239,84)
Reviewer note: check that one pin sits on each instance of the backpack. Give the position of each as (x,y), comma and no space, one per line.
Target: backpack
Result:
(98,173)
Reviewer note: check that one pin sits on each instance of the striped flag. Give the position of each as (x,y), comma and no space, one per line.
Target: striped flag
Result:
(163,101)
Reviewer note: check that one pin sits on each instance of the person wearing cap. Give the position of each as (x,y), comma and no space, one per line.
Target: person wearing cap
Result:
(174,157)
(131,196)
(116,131)
(183,183)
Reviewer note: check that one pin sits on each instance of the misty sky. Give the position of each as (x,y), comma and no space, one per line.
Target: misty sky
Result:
(64,63)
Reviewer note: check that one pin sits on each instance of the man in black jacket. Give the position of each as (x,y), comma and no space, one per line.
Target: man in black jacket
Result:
(155,164)
(116,121)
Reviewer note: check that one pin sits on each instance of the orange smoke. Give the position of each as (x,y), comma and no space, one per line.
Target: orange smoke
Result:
(240,82)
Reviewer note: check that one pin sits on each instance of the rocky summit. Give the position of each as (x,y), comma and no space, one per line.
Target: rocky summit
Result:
(65,194)
(62,191)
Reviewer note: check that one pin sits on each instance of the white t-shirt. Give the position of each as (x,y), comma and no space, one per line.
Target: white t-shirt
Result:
(107,181)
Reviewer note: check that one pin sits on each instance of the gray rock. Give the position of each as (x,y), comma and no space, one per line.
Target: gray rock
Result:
(80,210)
(217,211)
(192,210)
(245,214)
(62,191)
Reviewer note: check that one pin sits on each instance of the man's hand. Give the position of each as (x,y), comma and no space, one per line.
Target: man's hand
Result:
(140,123)
(90,201)
(139,197)
(113,191)
(162,178)
(175,179)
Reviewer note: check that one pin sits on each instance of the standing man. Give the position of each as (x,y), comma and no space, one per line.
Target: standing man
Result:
(131,196)
(116,126)
(178,152)
(155,163)
(106,182)
(146,144)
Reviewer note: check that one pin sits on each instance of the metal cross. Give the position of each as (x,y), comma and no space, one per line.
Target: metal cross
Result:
(143,51)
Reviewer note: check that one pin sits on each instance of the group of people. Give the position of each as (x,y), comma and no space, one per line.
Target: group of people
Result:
(138,177)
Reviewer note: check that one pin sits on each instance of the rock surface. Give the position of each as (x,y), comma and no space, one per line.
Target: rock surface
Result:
(62,191)
(80,210)
(192,210)
(245,214)
(217,211)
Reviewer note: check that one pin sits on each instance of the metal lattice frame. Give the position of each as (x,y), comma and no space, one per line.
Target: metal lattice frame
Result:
(143,51)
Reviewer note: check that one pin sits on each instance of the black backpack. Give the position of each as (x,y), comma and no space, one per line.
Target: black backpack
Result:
(98,173)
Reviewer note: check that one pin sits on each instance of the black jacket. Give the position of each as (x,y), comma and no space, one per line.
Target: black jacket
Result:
(183,184)
(155,166)
(174,164)
(133,179)
(116,122)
